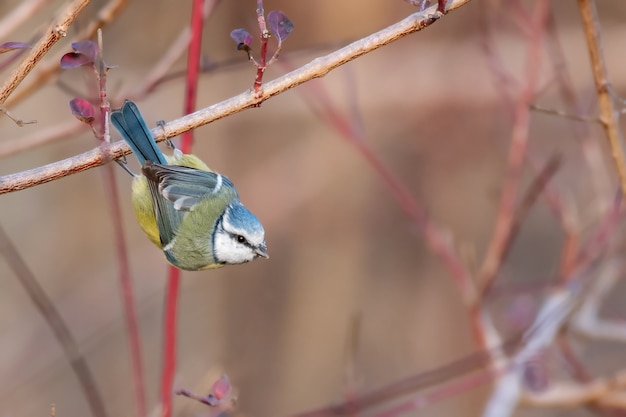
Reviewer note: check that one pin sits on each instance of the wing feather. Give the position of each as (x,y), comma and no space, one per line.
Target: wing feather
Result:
(177,189)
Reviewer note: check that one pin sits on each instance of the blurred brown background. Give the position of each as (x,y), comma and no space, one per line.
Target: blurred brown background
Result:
(341,249)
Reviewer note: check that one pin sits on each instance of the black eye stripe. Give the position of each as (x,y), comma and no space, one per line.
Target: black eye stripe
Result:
(241,239)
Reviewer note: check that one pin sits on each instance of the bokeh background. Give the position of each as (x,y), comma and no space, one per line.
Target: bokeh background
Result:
(343,254)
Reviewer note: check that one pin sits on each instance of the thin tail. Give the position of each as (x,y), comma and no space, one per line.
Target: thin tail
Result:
(129,122)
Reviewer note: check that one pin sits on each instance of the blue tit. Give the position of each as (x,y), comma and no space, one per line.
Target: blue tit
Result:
(192,213)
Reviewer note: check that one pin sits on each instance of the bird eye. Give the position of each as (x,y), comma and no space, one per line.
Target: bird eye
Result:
(241,239)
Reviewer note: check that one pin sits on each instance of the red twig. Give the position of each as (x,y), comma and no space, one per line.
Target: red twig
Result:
(440,376)
(567,221)
(198,16)
(420,401)
(265,35)
(437,239)
(169,340)
(536,188)
(517,151)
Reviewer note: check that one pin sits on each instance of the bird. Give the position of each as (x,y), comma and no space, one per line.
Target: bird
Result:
(192,213)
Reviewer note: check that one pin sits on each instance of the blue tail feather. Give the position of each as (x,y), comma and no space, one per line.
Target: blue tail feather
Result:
(131,125)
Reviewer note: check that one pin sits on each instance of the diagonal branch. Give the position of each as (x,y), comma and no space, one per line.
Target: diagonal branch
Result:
(517,152)
(317,68)
(56,31)
(608,110)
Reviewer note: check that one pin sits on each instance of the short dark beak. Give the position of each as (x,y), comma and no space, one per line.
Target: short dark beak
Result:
(261,250)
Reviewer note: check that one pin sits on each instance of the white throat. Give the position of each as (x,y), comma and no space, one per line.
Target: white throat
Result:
(226,249)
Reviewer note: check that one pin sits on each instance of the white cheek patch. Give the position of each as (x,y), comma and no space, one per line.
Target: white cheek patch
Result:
(228,250)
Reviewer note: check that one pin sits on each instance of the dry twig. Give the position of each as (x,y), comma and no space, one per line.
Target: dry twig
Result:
(608,109)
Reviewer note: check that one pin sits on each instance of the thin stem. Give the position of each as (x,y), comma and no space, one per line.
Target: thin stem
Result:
(580,118)
(169,340)
(424,380)
(517,152)
(265,35)
(536,188)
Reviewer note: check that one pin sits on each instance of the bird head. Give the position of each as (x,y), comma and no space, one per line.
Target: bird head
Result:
(239,236)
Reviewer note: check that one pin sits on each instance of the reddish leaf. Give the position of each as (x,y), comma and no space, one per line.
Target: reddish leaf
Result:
(221,387)
(74,60)
(242,38)
(82,110)
(12,46)
(280,25)
(85,53)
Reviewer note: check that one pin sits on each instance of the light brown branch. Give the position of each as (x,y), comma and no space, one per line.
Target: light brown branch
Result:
(314,69)
(49,67)
(608,109)
(56,31)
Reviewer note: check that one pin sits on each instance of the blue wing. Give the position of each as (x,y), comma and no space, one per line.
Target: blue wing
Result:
(186,187)
(177,189)
(129,122)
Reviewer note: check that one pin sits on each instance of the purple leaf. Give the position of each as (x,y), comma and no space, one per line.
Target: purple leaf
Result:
(82,110)
(88,48)
(280,25)
(242,38)
(85,53)
(12,46)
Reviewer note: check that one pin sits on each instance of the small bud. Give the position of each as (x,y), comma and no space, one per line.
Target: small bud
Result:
(82,110)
